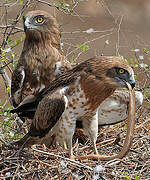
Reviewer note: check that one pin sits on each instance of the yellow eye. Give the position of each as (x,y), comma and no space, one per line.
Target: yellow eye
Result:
(121,71)
(40,19)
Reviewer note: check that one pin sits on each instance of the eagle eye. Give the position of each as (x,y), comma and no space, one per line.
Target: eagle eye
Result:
(121,71)
(40,19)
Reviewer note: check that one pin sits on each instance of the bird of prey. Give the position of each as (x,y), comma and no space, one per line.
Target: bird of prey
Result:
(41,59)
(75,94)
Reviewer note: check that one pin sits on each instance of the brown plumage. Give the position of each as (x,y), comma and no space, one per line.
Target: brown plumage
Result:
(79,92)
(41,59)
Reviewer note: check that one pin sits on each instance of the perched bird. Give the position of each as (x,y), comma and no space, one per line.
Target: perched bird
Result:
(75,94)
(41,59)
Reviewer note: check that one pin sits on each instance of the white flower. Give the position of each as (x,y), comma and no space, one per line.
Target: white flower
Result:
(141,57)
(8,174)
(136,50)
(5,113)
(95,177)
(122,57)
(11,133)
(7,50)
(98,168)
(63,163)
(6,119)
(89,31)
(61,44)
(143,65)
(107,41)
(76,176)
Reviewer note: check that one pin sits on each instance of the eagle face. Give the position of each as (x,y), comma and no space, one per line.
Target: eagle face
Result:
(109,72)
(120,76)
(39,21)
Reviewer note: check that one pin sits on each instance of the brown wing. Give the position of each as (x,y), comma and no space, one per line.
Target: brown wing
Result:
(47,114)
(18,78)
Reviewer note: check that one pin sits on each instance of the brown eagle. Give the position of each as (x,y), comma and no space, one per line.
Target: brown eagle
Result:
(41,59)
(75,94)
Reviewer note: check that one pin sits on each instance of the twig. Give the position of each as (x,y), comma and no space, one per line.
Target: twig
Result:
(6,79)
(89,41)
(118,37)
(146,121)
(2,140)
(70,160)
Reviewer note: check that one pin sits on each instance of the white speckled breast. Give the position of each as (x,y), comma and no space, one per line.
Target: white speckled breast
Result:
(75,108)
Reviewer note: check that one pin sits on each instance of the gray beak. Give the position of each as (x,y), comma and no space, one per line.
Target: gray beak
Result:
(131,81)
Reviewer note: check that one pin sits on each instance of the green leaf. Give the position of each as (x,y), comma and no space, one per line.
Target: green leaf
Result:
(145,50)
(17,41)
(124,127)
(60,34)
(72,59)
(84,47)
(79,45)
(137,177)
(60,5)
(64,4)
(21,2)
(126,175)
(8,90)
(9,39)
(70,10)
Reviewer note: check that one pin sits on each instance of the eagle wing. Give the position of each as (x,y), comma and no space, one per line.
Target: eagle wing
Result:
(18,78)
(27,107)
(48,112)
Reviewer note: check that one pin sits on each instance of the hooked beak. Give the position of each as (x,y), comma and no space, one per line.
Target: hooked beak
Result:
(131,81)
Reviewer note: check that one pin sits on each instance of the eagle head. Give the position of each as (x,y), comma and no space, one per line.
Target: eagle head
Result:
(39,22)
(120,74)
(113,72)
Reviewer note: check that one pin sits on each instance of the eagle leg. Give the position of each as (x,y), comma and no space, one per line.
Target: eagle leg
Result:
(95,148)
(65,145)
(90,124)
(71,156)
